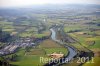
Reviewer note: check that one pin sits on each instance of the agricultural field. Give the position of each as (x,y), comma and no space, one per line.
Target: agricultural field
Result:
(32,57)
(86,38)
(77,28)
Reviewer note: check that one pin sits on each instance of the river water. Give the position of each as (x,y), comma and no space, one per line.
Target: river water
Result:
(72,52)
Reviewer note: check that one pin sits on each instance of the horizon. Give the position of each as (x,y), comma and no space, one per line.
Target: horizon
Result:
(24,3)
(51,5)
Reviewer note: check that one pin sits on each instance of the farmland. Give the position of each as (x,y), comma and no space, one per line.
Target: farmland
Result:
(76,27)
(32,57)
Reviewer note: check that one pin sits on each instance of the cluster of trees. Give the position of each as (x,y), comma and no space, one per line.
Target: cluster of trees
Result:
(73,31)
(4,36)
(4,61)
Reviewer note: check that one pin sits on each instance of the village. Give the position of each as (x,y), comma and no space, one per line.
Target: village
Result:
(22,42)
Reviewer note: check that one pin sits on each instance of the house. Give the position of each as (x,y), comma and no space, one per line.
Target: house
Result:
(56,55)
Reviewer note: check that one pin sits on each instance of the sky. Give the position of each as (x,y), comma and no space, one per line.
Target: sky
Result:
(20,3)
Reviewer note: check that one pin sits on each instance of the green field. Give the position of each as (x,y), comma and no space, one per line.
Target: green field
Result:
(80,23)
(32,58)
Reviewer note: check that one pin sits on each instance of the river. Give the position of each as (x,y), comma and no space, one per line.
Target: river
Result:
(72,52)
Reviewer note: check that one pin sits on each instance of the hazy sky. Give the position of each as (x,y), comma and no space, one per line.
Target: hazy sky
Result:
(17,3)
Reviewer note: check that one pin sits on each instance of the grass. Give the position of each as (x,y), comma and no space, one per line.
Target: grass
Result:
(28,61)
(25,60)
(36,52)
(96,62)
(32,58)
(31,29)
(57,50)
(49,44)
(80,47)
(39,35)
(8,27)
(84,38)
(5,23)
(9,30)
(50,47)
(72,27)
(96,45)
(25,34)
(24,23)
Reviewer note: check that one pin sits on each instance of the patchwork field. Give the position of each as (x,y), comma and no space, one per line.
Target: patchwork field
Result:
(81,23)
(32,57)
